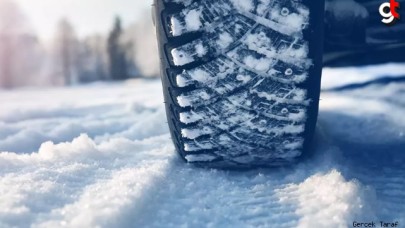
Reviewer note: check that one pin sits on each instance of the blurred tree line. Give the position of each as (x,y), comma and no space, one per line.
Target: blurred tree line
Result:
(67,60)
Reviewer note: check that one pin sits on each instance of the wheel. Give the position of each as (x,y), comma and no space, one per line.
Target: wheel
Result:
(241,78)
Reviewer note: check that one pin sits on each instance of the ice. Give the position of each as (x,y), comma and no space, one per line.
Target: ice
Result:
(100,155)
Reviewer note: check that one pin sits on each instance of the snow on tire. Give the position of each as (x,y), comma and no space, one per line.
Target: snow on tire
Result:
(241,78)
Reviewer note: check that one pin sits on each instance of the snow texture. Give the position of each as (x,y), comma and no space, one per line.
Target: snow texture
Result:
(101,156)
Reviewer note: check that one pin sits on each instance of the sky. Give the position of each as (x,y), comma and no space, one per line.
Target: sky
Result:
(87,16)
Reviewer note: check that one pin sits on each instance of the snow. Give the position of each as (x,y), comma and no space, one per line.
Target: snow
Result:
(225,39)
(189,100)
(195,133)
(261,65)
(189,147)
(260,43)
(300,97)
(343,76)
(193,22)
(243,78)
(200,50)
(181,57)
(293,20)
(101,156)
(199,158)
(176,27)
(181,81)
(189,117)
(187,77)
(243,5)
(188,21)
(200,75)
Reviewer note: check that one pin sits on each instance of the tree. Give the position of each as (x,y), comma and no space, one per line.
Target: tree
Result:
(9,21)
(144,53)
(6,61)
(117,54)
(66,51)
(20,51)
(92,59)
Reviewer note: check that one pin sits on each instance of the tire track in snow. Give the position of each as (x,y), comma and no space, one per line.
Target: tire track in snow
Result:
(110,201)
(313,193)
(118,180)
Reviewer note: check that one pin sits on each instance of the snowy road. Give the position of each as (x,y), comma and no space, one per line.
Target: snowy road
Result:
(101,156)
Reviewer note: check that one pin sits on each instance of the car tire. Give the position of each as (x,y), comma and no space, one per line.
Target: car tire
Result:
(241,78)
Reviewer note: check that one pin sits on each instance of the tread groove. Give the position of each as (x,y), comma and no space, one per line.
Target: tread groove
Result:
(237,80)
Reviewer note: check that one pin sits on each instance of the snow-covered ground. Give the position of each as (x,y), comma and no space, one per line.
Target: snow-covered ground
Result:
(101,156)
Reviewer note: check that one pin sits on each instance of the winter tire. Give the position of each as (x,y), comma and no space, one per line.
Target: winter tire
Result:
(241,78)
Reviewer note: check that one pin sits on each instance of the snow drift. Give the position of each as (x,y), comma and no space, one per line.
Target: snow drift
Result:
(101,155)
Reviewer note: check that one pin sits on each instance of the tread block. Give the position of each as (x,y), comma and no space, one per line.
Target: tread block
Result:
(240,93)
